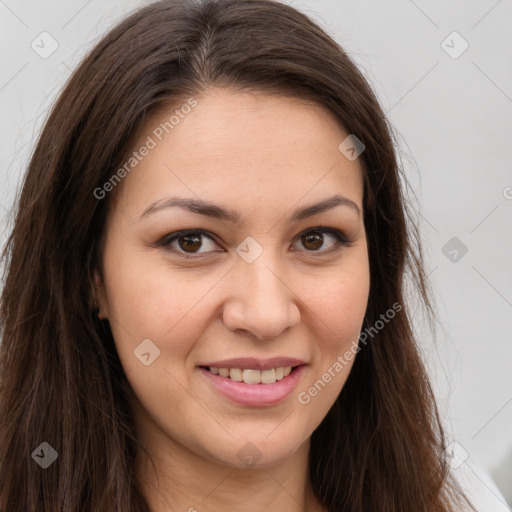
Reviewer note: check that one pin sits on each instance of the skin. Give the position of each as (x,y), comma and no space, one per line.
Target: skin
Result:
(264,156)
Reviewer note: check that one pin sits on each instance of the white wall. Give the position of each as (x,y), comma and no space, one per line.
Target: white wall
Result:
(454,119)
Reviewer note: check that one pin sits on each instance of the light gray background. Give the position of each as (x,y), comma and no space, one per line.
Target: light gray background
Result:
(453,117)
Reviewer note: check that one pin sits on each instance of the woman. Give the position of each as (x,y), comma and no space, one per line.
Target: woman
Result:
(204,302)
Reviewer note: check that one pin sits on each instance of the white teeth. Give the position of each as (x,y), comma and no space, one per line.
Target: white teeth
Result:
(250,376)
(268,376)
(236,374)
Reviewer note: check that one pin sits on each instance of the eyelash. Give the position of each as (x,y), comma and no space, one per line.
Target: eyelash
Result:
(341,240)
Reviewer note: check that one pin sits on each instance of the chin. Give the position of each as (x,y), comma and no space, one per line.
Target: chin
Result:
(258,450)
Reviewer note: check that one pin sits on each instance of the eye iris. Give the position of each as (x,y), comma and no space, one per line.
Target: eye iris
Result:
(314,239)
(192,242)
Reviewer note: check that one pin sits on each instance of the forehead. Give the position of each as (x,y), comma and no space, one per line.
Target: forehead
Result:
(251,149)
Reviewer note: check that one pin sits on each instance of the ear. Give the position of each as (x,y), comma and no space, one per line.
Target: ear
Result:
(100,296)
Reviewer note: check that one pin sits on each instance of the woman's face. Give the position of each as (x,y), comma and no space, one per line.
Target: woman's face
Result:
(207,325)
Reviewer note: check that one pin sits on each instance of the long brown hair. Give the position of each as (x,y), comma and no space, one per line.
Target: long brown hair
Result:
(381,445)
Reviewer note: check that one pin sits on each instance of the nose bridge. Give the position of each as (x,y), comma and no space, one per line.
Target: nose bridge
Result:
(261,301)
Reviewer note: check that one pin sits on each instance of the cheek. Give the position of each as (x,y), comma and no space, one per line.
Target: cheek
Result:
(150,302)
(149,299)
(340,306)
(338,314)
(146,297)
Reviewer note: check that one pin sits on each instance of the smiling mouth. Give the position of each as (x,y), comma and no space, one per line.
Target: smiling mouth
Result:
(252,376)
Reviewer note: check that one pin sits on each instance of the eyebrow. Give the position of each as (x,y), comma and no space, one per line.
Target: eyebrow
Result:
(212,210)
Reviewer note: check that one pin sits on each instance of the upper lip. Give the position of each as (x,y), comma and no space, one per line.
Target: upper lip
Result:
(255,364)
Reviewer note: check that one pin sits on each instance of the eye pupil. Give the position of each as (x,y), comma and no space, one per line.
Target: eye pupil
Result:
(192,242)
(316,240)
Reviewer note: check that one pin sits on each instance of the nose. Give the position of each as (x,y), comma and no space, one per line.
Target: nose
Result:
(262,302)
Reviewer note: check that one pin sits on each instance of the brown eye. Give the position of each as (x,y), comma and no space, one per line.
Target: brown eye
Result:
(315,240)
(194,243)
(188,243)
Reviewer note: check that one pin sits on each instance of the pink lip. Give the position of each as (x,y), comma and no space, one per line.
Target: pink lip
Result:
(255,364)
(255,395)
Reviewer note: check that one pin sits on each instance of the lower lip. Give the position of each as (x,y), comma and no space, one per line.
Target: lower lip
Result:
(255,395)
